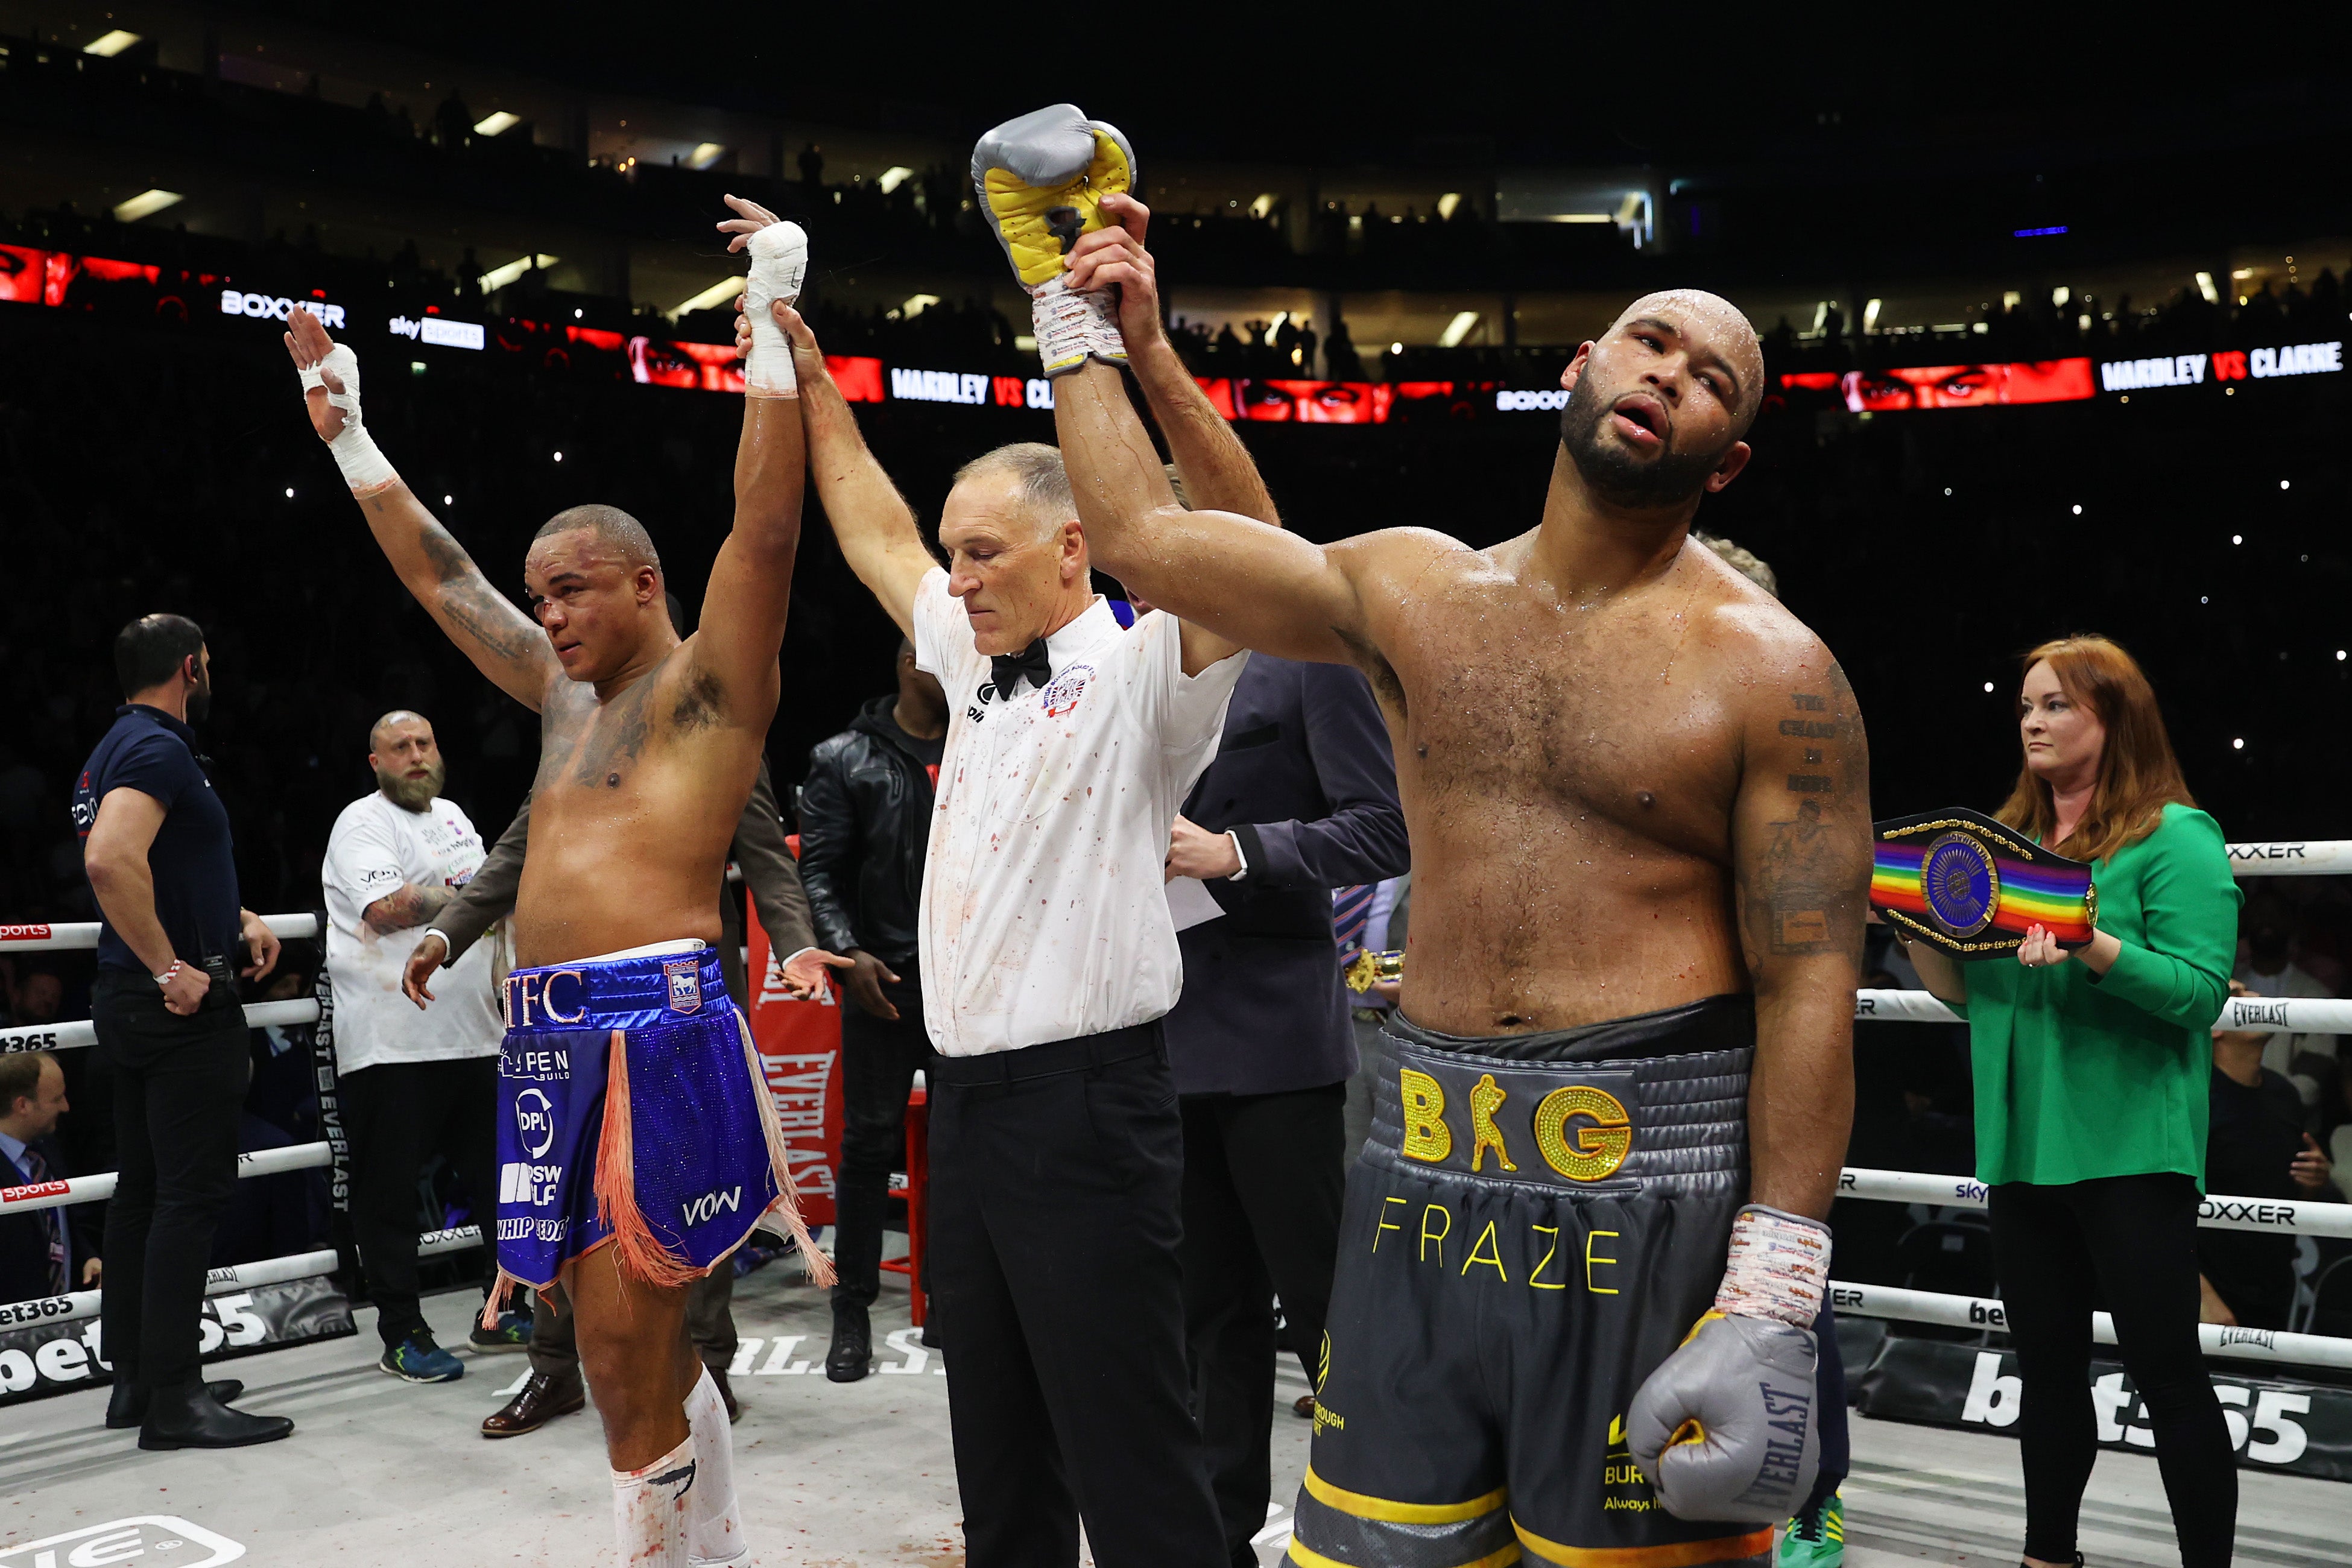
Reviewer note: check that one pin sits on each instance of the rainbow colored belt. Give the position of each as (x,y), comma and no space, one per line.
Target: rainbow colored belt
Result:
(1973,885)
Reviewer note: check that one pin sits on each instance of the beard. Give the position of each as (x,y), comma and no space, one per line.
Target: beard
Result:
(412,795)
(1612,470)
(200,698)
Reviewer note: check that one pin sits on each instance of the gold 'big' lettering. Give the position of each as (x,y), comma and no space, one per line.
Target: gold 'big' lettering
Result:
(1422,1098)
(1601,1142)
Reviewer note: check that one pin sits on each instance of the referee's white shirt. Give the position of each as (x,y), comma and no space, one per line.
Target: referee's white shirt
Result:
(1043,914)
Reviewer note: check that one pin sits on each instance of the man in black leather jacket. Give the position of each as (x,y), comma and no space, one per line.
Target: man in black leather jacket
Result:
(865,821)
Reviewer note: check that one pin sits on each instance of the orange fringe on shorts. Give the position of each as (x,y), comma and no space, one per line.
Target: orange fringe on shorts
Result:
(638,1251)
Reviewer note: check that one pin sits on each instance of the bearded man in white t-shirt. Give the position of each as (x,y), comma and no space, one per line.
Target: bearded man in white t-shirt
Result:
(412,1084)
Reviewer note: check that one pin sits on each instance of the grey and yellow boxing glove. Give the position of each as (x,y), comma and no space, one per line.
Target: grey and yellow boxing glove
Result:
(1041,180)
(1729,1426)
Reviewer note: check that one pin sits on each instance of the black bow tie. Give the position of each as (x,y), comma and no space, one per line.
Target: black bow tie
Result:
(1007,668)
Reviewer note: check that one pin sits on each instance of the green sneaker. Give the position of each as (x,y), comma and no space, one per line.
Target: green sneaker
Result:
(1817,1539)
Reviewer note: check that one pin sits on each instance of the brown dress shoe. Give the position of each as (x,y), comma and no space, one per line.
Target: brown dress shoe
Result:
(542,1399)
(726,1394)
(1304,1408)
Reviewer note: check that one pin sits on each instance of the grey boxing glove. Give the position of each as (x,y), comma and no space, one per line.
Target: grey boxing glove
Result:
(1041,180)
(1727,1426)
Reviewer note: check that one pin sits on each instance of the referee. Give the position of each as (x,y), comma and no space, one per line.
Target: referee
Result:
(1050,956)
(155,844)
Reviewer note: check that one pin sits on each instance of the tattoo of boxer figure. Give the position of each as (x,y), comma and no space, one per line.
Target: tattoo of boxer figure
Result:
(1790,896)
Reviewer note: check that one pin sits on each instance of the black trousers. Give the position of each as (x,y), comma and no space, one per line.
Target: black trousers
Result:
(1056,1176)
(2138,1235)
(398,1116)
(1262,1179)
(879,1059)
(710,1323)
(178,1084)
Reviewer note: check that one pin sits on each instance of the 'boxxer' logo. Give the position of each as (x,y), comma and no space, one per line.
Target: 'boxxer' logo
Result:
(535,1119)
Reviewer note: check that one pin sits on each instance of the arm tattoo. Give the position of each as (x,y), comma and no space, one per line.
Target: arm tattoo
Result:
(411,906)
(465,597)
(1798,892)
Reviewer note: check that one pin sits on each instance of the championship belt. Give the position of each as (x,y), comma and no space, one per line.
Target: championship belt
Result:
(1369,969)
(1971,887)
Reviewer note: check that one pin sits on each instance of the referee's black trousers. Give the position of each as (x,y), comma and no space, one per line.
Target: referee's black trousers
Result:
(1056,1190)
(1263,1176)
(178,1085)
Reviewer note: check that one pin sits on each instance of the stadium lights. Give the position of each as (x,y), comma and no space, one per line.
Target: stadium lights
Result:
(2237,539)
(2238,745)
(1263,204)
(1447,203)
(497,124)
(2078,511)
(106,45)
(705,153)
(718,293)
(2059,295)
(146,204)
(2283,484)
(1459,328)
(448,500)
(1396,348)
(1988,688)
(2205,287)
(1584,218)
(913,306)
(559,456)
(894,176)
(1870,315)
(290,492)
(497,277)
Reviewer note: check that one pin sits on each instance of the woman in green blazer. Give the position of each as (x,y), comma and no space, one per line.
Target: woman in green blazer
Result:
(2092,1074)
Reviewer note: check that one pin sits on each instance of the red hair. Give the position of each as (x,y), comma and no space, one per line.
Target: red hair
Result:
(2138,775)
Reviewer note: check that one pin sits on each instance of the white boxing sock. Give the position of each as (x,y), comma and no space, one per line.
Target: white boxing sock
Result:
(715,1528)
(365,467)
(652,1508)
(779,262)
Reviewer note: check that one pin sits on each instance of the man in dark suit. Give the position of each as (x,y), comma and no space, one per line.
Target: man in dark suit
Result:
(773,883)
(1301,799)
(43,1252)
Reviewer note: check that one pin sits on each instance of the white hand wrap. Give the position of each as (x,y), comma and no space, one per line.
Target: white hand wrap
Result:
(1073,327)
(779,263)
(1778,1267)
(365,468)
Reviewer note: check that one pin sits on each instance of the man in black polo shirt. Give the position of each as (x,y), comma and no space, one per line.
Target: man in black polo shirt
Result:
(155,842)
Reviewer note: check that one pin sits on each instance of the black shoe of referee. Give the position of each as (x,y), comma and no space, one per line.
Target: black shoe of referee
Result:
(853,1343)
(188,1416)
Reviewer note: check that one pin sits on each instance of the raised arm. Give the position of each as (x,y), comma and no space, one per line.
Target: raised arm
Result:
(871,520)
(1800,868)
(1241,580)
(744,610)
(1219,473)
(485,624)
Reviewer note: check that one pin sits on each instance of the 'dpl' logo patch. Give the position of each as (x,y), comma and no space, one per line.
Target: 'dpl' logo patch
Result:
(685,985)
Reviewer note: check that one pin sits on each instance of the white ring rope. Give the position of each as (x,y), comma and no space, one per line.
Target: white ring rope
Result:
(2291,1217)
(75,1035)
(2250,1014)
(236,1276)
(1980,1313)
(81,934)
(96,1187)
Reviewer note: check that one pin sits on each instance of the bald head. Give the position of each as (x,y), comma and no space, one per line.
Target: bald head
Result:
(398,718)
(620,533)
(1708,324)
(407,760)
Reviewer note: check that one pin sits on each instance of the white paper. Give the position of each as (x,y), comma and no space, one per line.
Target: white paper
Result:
(1190,903)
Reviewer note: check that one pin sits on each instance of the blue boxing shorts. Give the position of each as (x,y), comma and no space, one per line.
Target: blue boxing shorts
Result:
(634,1113)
